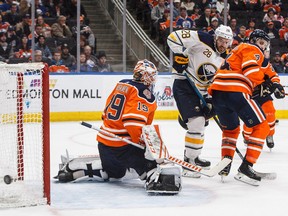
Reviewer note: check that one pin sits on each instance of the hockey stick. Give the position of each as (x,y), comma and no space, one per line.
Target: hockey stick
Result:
(188,75)
(268,176)
(210,173)
(152,139)
(111,134)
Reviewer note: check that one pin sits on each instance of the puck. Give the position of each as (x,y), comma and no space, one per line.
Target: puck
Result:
(7,179)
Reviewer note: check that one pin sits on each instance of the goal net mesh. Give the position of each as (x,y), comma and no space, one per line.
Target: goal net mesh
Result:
(21,135)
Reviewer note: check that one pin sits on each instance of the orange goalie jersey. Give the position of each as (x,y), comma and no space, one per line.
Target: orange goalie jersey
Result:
(241,71)
(129,107)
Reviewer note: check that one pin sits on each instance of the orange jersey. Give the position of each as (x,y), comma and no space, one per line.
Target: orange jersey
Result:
(283,32)
(266,103)
(129,107)
(241,71)
(284,58)
(274,6)
(248,32)
(166,24)
(58,69)
(269,71)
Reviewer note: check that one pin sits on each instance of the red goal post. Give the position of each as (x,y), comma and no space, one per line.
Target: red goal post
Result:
(24,134)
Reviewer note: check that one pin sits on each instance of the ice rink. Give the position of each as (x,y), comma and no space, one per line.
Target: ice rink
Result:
(203,196)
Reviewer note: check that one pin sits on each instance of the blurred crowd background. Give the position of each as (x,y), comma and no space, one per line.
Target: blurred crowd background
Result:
(55,29)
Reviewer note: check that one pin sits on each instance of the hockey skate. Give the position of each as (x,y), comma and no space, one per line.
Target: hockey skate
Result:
(247,174)
(270,142)
(198,162)
(64,176)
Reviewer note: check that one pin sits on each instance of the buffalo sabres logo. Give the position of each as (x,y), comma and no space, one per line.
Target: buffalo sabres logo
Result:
(206,72)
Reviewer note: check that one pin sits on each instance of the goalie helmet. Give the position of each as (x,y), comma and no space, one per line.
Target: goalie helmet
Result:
(145,72)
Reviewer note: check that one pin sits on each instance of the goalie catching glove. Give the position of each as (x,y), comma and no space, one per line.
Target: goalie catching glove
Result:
(180,62)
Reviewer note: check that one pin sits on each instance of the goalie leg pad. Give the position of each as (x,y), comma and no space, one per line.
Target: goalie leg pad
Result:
(79,168)
(165,179)
(155,148)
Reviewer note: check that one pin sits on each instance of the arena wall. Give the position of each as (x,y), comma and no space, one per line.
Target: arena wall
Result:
(82,96)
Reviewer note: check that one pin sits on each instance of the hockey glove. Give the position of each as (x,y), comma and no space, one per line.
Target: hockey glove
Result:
(279,91)
(264,89)
(180,63)
(208,110)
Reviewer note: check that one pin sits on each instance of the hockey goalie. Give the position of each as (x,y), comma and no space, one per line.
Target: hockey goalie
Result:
(161,177)
(129,108)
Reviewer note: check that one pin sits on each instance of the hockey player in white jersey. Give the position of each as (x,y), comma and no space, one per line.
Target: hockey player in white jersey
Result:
(198,54)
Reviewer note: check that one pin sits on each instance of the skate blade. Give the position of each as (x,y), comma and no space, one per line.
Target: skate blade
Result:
(160,192)
(223,178)
(245,179)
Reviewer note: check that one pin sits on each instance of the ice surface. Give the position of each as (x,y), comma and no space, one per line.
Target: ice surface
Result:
(204,196)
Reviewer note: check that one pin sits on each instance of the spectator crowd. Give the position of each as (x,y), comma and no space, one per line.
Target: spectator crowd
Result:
(55,29)
(55,33)
(243,16)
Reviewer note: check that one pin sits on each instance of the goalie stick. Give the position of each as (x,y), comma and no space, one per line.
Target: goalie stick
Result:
(111,134)
(268,175)
(163,154)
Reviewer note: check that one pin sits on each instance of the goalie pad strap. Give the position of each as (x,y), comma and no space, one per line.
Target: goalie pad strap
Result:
(89,170)
(82,164)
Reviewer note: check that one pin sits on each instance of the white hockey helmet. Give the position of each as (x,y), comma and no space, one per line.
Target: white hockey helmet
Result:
(223,32)
(146,72)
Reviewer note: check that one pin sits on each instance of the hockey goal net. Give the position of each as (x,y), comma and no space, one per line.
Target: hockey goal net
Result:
(24,135)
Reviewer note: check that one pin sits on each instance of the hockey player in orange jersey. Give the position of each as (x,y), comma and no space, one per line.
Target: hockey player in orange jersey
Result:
(231,92)
(266,105)
(129,107)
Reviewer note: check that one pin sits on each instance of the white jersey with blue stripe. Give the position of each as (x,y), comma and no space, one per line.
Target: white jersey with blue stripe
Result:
(204,60)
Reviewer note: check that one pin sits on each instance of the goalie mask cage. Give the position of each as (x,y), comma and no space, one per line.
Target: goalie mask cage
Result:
(24,135)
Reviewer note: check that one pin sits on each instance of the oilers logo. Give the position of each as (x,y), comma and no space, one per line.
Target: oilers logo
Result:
(206,73)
